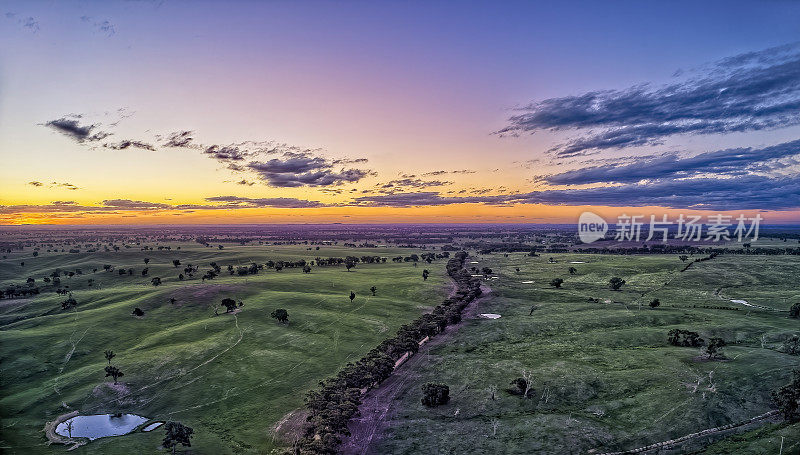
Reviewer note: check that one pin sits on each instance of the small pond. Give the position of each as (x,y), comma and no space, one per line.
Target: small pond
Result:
(100,425)
(152,426)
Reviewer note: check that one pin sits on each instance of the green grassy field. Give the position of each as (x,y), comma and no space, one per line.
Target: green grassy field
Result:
(604,376)
(229,377)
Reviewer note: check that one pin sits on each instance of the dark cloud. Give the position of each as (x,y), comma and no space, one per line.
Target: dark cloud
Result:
(422,198)
(179,139)
(441,172)
(304,169)
(127,204)
(754,91)
(64,185)
(245,182)
(70,126)
(736,161)
(122,205)
(35,183)
(413,183)
(128,143)
(226,153)
(275,202)
(749,192)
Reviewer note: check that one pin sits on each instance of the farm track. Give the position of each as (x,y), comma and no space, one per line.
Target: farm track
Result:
(378,403)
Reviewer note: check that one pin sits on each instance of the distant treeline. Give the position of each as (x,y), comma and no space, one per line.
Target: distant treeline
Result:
(485,248)
(336,401)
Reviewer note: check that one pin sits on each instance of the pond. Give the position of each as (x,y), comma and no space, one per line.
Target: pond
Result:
(100,425)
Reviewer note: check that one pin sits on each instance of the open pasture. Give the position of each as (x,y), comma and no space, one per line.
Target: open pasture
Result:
(231,377)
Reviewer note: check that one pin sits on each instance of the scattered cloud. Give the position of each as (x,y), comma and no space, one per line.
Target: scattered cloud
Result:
(102,26)
(35,183)
(26,22)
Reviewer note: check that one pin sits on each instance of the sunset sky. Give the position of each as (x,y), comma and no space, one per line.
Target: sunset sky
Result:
(143,112)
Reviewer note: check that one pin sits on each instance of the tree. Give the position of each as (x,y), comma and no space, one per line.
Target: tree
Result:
(573,270)
(794,311)
(680,337)
(616,283)
(172,300)
(137,312)
(146,261)
(70,426)
(352,296)
(109,355)
(156,281)
(714,346)
(306,269)
(374,290)
(524,385)
(788,398)
(655,303)
(556,282)
(177,433)
(114,373)
(229,304)
(281,315)
(683,257)
(425,274)
(791,345)
(349,264)
(176,262)
(434,394)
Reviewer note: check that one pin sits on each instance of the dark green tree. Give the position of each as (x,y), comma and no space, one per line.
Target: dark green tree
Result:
(788,398)
(177,433)
(434,394)
(229,304)
(281,315)
(109,355)
(616,283)
(556,282)
(113,372)
(715,344)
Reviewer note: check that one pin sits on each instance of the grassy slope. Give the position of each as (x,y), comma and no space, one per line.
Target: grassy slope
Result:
(605,377)
(230,378)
